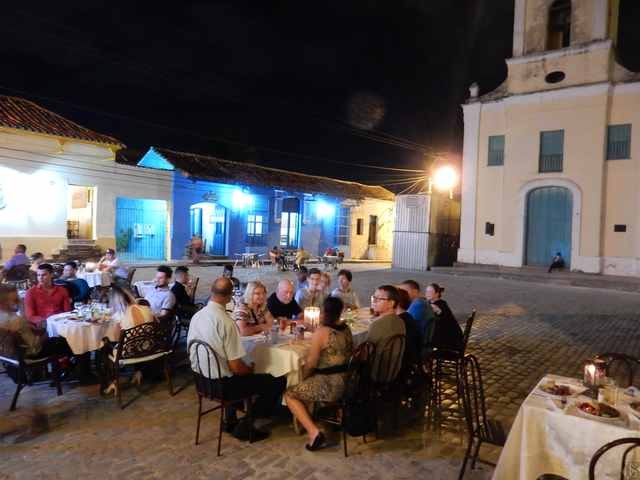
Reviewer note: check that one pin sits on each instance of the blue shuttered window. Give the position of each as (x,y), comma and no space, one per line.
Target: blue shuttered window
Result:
(258,222)
(342,226)
(496,150)
(618,142)
(551,151)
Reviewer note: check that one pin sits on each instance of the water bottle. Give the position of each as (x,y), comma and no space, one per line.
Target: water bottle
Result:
(275,333)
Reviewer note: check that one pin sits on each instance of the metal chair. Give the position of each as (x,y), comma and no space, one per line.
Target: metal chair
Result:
(480,428)
(141,344)
(631,443)
(357,392)
(12,355)
(206,360)
(620,367)
(386,366)
(194,289)
(130,274)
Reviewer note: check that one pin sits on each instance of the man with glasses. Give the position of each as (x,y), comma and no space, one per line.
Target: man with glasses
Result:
(385,325)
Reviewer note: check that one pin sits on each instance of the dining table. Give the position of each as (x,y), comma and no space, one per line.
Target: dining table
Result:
(284,354)
(96,279)
(550,436)
(83,334)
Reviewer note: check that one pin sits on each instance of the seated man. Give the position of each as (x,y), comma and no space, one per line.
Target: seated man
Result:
(281,303)
(345,291)
(386,324)
(419,309)
(557,263)
(17,265)
(45,298)
(313,295)
(301,277)
(34,342)
(78,288)
(214,326)
(186,308)
(227,272)
(160,298)
(110,263)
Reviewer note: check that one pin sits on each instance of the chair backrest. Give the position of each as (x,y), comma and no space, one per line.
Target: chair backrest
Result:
(467,330)
(620,367)
(143,340)
(10,350)
(130,274)
(388,360)
(631,442)
(359,372)
(472,389)
(205,365)
(194,288)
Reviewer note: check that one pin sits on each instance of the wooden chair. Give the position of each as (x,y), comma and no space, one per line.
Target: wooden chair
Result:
(194,289)
(207,365)
(386,366)
(12,355)
(357,392)
(620,367)
(632,443)
(481,429)
(142,344)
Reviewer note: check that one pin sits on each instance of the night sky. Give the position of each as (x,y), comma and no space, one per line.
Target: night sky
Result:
(290,84)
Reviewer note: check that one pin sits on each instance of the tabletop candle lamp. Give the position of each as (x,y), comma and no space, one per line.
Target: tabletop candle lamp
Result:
(594,375)
(312,316)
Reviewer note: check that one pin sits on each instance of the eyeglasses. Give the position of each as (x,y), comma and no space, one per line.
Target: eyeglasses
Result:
(379,299)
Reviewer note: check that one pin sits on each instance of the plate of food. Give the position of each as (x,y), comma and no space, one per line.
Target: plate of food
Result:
(635,409)
(597,410)
(559,390)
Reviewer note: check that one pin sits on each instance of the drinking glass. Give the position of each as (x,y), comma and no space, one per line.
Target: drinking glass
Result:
(610,391)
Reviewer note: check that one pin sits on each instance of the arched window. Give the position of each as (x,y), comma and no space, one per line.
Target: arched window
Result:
(559,28)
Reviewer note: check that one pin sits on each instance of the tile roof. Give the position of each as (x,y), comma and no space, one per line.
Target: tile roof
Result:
(21,114)
(226,171)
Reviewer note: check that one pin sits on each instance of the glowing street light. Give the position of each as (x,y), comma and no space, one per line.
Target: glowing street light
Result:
(444,179)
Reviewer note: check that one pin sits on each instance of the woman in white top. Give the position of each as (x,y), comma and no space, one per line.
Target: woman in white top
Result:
(251,315)
(110,263)
(344,291)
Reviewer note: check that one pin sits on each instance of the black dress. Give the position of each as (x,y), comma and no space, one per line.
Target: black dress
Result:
(447,333)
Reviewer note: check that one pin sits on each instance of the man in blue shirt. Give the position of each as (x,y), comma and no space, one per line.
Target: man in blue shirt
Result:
(18,260)
(419,309)
(79,290)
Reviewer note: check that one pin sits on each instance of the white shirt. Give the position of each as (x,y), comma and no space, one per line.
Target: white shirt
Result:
(214,326)
(118,269)
(160,298)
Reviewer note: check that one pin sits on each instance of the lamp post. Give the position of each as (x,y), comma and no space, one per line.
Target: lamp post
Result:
(444,179)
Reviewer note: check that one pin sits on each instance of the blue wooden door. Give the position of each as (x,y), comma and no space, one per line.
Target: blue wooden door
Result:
(549,215)
(218,221)
(141,226)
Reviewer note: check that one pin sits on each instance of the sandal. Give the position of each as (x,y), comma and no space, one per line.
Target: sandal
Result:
(318,443)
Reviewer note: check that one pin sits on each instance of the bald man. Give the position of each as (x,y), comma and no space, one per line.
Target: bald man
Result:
(281,303)
(214,326)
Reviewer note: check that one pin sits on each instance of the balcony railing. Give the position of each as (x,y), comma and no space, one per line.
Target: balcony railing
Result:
(551,163)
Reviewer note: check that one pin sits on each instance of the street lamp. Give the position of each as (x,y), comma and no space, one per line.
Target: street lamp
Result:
(444,179)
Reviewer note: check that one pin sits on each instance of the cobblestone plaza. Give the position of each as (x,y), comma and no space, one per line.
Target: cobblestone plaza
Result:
(523,330)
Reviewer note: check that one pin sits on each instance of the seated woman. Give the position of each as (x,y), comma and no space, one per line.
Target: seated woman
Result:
(446,334)
(127,310)
(251,315)
(324,370)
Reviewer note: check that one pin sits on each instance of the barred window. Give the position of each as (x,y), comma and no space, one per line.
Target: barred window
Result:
(618,142)
(496,150)
(551,151)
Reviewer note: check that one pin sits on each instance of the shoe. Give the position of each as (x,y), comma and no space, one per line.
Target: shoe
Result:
(242,433)
(137,378)
(111,388)
(318,443)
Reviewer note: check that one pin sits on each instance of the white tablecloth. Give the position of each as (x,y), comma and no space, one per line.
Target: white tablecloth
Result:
(96,279)
(546,439)
(288,356)
(82,336)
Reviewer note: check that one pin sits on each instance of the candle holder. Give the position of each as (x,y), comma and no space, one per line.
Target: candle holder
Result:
(312,317)
(595,373)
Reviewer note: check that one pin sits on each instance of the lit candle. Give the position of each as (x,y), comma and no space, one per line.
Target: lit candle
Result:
(590,374)
(312,316)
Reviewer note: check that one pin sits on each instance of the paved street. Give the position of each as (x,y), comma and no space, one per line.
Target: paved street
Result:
(523,330)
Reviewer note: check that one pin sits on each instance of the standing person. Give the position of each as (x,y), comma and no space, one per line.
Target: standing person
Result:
(344,291)
(324,371)
(447,334)
(282,305)
(110,263)
(385,325)
(312,296)
(301,277)
(557,262)
(420,308)
(19,261)
(227,272)
(214,326)
(185,307)
(45,299)
(196,246)
(78,288)
(252,315)
(160,298)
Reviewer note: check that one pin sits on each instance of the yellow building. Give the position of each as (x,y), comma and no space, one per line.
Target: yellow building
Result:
(551,158)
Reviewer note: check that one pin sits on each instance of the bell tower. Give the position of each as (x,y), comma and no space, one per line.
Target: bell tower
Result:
(562,43)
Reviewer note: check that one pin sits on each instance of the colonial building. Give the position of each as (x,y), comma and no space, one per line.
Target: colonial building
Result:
(61,189)
(239,208)
(551,158)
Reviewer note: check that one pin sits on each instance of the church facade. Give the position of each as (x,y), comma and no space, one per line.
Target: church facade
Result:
(551,158)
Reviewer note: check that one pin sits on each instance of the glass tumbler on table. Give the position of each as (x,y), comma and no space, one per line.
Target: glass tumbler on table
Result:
(610,391)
